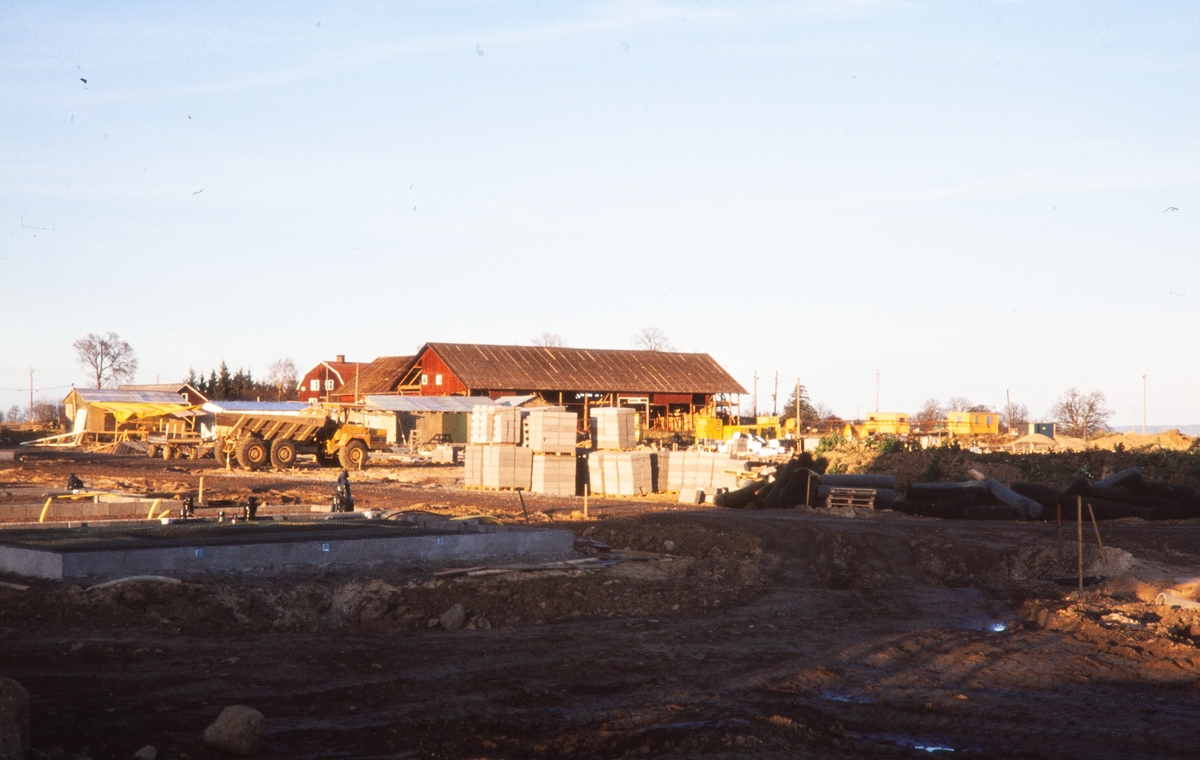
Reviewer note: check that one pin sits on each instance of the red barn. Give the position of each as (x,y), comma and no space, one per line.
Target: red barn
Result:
(319,382)
(665,385)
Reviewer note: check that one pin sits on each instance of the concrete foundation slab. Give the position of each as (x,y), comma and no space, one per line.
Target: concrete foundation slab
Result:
(198,548)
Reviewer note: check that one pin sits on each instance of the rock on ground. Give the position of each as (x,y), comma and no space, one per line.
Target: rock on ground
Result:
(14,720)
(453,618)
(237,730)
(146,753)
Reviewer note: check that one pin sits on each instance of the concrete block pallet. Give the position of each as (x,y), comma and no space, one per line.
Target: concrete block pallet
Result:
(553,474)
(551,431)
(492,425)
(620,473)
(613,428)
(507,467)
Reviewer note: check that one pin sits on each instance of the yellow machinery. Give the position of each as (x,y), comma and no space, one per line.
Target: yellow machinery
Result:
(714,429)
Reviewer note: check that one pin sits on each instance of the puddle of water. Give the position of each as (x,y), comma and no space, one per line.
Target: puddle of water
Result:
(918,744)
(833,696)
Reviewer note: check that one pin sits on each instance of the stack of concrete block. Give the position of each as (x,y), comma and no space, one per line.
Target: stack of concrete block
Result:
(491,424)
(614,428)
(473,465)
(443,455)
(551,431)
(553,474)
(481,425)
(595,479)
(703,470)
(621,473)
(507,466)
(506,426)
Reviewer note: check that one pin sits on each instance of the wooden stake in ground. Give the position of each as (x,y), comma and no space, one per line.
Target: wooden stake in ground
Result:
(200,497)
(523,509)
(586,488)
(1079,532)
(1096,528)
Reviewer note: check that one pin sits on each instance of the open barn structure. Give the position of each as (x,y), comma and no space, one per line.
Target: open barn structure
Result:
(670,389)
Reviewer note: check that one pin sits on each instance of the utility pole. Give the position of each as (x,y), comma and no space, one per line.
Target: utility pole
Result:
(876,390)
(1008,404)
(30,394)
(775,397)
(799,439)
(756,395)
(1143,404)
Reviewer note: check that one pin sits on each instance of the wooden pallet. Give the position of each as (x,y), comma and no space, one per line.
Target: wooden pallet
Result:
(851,497)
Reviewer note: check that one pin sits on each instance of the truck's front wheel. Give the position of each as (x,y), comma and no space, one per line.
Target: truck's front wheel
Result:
(353,455)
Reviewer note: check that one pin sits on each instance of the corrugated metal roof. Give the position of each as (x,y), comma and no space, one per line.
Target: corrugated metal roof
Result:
(539,368)
(380,376)
(285,407)
(112,395)
(428,403)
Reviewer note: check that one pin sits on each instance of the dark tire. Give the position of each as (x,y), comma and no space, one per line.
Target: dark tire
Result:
(219,453)
(152,451)
(167,452)
(193,452)
(283,454)
(353,455)
(252,453)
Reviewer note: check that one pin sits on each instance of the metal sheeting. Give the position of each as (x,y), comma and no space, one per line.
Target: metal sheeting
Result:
(428,403)
(94,395)
(247,407)
(539,368)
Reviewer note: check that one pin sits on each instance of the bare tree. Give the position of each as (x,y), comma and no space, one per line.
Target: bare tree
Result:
(107,357)
(15,415)
(1081,415)
(1015,415)
(652,339)
(550,340)
(283,377)
(47,412)
(959,404)
(929,414)
(823,412)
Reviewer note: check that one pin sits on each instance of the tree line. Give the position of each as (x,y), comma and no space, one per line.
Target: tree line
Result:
(240,385)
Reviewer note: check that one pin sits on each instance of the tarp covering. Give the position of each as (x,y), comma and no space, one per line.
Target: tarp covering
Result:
(125,411)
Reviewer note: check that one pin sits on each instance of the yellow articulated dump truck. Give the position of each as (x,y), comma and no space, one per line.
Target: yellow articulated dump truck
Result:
(259,439)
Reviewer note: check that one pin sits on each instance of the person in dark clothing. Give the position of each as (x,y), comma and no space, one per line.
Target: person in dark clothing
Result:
(342,500)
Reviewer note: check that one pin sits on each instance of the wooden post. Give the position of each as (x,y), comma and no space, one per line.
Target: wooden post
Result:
(200,497)
(586,488)
(1096,528)
(1079,536)
(799,440)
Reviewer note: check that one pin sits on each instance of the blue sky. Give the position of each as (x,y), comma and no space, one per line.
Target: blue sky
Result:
(970,197)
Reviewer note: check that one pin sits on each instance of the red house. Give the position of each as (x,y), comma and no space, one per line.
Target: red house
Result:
(320,381)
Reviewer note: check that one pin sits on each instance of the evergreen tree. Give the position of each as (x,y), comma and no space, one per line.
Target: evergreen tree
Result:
(212,389)
(808,413)
(224,382)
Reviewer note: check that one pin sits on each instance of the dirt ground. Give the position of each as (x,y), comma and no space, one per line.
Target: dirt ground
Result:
(796,633)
